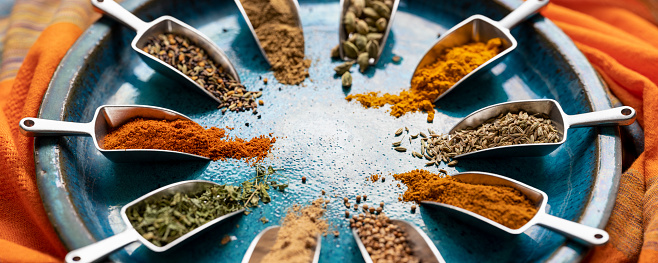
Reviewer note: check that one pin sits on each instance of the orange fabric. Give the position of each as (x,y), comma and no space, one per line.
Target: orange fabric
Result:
(621,41)
(26,234)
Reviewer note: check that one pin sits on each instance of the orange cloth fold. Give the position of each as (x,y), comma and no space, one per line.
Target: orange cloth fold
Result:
(26,234)
(620,39)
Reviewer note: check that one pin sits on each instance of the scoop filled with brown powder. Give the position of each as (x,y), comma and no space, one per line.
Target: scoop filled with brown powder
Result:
(281,37)
(188,137)
(298,235)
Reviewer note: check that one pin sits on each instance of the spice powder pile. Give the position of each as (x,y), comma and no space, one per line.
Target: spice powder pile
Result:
(502,204)
(186,136)
(275,24)
(434,79)
(297,237)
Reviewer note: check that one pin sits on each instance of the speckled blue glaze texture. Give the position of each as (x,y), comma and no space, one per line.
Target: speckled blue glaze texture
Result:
(334,143)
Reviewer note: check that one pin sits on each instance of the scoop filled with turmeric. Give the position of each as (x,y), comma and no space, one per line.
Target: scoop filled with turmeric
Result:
(503,204)
(188,137)
(433,79)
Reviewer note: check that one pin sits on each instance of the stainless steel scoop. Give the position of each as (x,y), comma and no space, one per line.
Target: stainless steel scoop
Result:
(262,244)
(343,36)
(166,24)
(295,11)
(100,249)
(617,116)
(582,233)
(480,28)
(108,118)
(422,246)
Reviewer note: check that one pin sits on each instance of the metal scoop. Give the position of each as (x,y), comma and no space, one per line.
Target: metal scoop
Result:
(262,244)
(166,24)
(295,11)
(479,28)
(582,233)
(421,245)
(105,120)
(617,116)
(343,36)
(100,249)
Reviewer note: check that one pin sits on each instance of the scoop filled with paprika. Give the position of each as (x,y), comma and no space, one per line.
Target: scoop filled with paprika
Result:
(107,118)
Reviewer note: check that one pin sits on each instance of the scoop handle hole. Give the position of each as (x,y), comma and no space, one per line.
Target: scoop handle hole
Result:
(28,123)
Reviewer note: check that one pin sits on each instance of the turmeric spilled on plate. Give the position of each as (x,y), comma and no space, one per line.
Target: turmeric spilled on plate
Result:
(432,80)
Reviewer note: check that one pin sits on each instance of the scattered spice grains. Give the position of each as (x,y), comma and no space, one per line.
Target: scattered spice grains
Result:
(503,204)
(181,53)
(434,79)
(276,27)
(186,136)
(384,240)
(297,237)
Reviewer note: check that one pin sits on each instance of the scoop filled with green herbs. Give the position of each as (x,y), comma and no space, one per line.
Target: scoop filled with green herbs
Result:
(175,213)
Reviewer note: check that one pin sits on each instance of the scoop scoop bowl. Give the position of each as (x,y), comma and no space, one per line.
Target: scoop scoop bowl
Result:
(97,251)
(107,118)
(479,28)
(584,234)
(163,25)
(616,116)
(421,245)
(264,241)
(343,36)
(298,22)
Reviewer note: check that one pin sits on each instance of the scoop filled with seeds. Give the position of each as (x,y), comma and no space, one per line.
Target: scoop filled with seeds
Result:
(364,27)
(176,50)
(518,128)
(381,239)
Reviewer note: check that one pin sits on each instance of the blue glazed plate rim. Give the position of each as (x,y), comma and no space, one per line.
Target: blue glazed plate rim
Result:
(66,221)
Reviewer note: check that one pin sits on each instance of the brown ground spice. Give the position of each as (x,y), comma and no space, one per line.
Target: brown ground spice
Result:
(502,204)
(297,237)
(283,42)
(186,136)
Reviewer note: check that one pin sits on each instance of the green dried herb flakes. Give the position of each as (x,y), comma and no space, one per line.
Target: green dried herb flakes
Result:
(163,221)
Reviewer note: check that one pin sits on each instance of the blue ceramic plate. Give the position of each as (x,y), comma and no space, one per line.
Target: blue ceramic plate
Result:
(334,143)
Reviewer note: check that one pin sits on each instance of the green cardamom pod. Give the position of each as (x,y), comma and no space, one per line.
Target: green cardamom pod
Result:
(381,24)
(342,68)
(372,29)
(335,52)
(349,22)
(358,11)
(350,50)
(382,9)
(359,3)
(370,21)
(369,3)
(360,42)
(389,3)
(346,79)
(374,36)
(363,61)
(370,12)
(362,27)
(373,49)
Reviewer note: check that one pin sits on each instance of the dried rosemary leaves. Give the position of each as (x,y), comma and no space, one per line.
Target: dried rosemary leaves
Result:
(505,129)
(181,53)
(163,221)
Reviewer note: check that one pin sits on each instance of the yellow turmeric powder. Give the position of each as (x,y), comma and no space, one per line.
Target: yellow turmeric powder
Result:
(432,80)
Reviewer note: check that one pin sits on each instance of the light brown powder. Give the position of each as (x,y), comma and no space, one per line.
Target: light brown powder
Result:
(275,24)
(297,237)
